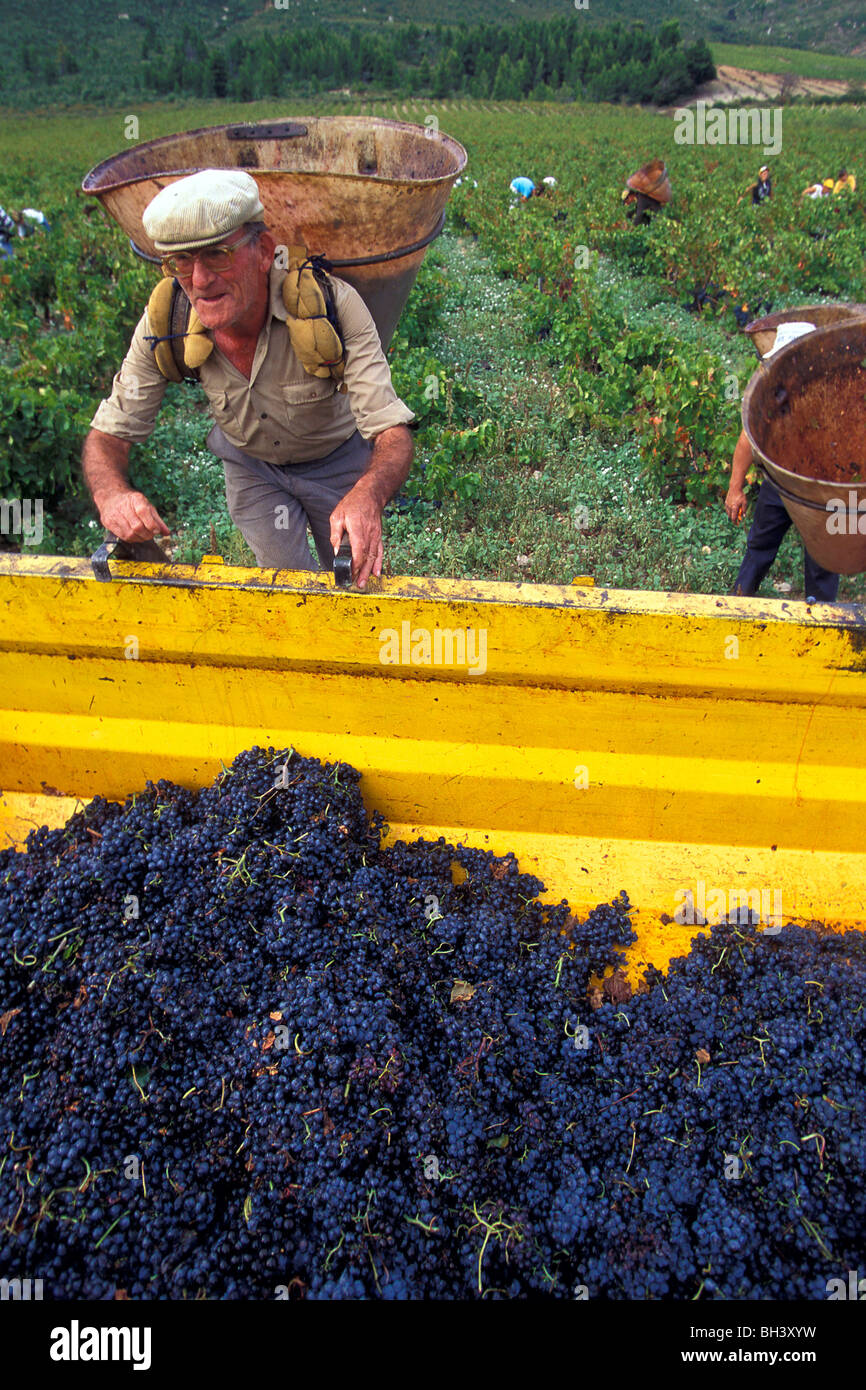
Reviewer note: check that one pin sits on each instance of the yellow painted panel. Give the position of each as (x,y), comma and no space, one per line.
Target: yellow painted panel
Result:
(514,787)
(534,634)
(21,812)
(650,742)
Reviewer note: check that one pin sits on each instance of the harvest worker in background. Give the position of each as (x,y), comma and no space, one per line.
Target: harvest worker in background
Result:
(760,190)
(523,189)
(326,446)
(768,530)
(764,187)
(7,233)
(846,183)
(771,521)
(23,223)
(646,191)
(818,190)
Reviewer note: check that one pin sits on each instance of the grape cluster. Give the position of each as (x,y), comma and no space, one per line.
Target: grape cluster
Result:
(248,1049)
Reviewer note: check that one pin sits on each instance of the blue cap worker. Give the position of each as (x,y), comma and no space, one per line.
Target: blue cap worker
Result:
(524,188)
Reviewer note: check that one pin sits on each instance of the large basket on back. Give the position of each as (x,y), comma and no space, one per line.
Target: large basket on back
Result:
(804,412)
(762,332)
(652,180)
(369,194)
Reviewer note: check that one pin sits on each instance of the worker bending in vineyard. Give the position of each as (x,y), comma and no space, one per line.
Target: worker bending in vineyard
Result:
(818,190)
(522,189)
(846,183)
(7,232)
(19,224)
(307,423)
(646,191)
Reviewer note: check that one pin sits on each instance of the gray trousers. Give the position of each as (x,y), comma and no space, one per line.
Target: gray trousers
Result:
(272,505)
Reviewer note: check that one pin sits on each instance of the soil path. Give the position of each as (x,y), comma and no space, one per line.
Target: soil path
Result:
(742,84)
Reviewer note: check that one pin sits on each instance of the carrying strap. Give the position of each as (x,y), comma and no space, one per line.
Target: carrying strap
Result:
(180,343)
(312,323)
(175,324)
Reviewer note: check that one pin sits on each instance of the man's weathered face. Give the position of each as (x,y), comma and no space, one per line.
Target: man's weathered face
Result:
(224,299)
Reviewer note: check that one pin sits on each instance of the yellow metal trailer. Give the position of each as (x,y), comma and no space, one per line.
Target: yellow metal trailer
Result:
(700,752)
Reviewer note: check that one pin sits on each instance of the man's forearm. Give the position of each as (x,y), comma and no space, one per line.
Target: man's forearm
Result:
(742,461)
(389,465)
(105,464)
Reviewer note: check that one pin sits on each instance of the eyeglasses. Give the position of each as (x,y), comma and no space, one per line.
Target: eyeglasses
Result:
(215,258)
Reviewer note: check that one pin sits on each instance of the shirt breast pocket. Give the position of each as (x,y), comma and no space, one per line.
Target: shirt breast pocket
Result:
(312,392)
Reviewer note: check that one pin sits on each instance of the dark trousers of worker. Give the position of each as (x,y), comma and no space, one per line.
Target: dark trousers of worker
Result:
(272,505)
(768,530)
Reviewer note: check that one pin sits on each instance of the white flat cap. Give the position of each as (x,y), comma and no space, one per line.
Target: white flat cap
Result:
(201,209)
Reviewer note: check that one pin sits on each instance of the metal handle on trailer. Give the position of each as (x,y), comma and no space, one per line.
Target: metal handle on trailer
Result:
(343,565)
(114,548)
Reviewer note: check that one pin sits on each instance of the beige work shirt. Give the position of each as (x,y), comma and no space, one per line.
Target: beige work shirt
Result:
(281,414)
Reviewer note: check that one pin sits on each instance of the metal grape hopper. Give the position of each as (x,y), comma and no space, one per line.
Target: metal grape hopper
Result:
(804,412)
(369,194)
(690,749)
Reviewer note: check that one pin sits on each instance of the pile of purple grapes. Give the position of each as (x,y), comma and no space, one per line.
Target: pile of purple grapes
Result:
(247,1052)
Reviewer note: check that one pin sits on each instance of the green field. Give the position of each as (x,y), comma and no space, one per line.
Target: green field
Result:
(583,424)
(804,62)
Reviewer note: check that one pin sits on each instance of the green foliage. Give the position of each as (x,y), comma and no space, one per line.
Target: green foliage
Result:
(423,310)
(686,426)
(69,300)
(159,47)
(700,62)
(557,54)
(445,408)
(445,474)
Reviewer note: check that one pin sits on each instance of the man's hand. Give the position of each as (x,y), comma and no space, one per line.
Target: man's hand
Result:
(360,516)
(131,517)
(735,504)
(105,464)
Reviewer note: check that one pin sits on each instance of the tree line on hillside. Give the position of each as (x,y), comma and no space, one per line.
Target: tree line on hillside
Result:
(558,59)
